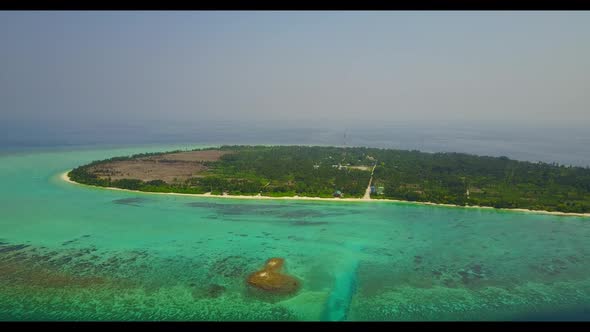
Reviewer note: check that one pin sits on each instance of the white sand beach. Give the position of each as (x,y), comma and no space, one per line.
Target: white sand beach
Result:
(64,176)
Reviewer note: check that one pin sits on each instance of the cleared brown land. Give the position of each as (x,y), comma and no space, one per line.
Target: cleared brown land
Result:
(208,155)
(171,168)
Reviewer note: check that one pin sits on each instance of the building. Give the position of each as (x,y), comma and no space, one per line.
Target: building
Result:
(338,193)
(380,190)
(373,190)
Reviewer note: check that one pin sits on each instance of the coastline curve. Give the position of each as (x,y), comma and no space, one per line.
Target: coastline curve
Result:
(64,176)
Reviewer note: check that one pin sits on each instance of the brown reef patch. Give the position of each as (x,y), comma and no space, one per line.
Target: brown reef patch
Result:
(272,279)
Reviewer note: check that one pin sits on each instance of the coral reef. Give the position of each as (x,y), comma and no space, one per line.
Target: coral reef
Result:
(272,279)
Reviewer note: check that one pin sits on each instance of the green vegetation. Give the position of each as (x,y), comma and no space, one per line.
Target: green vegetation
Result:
(451,178)
(491,181)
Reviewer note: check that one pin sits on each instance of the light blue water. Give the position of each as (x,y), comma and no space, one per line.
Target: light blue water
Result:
(70,252)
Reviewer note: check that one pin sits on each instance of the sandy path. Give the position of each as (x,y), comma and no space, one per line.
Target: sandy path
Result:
(368,191)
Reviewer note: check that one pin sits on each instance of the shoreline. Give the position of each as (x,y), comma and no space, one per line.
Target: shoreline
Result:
(64,176)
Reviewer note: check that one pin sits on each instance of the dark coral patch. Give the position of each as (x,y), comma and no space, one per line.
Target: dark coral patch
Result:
(308,223)
(215,290)
(449,283)
(473,274)
(573,259)
(302,214)
(135,201)
(295,238)
(229,267)
(16,247)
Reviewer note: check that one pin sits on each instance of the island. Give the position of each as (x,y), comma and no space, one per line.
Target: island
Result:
(347,173)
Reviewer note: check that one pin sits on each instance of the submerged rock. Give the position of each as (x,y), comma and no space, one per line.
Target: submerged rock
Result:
(271,278)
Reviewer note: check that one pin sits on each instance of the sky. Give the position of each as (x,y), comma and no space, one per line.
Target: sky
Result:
(91,71)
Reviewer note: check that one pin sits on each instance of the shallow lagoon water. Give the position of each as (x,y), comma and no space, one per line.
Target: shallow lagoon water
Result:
(70,252)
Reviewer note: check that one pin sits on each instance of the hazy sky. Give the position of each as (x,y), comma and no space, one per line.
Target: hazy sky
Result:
(92,69)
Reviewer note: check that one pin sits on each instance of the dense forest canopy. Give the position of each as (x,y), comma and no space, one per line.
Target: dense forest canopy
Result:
(453,178)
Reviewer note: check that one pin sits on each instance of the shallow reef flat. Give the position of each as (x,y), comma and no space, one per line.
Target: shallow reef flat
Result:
(529,301)
(38,284)
(79,253)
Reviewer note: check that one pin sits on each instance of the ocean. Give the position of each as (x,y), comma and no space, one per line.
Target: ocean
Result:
(568,146)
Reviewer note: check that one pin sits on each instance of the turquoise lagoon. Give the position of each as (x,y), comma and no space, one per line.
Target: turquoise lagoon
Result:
(70,252)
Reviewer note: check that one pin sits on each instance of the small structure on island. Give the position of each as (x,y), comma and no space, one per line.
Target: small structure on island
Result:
(340,166)
(338,193)
(373,190)
(380,190)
